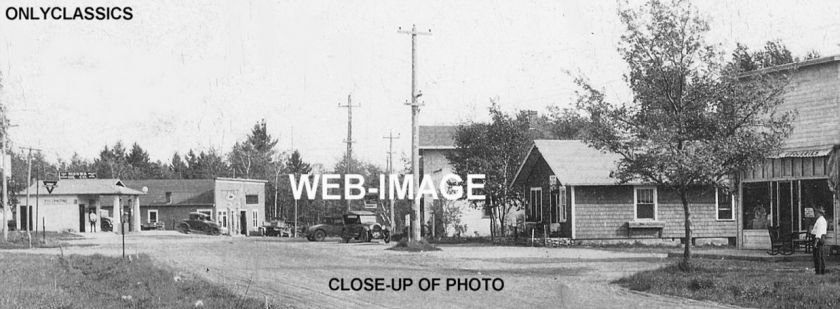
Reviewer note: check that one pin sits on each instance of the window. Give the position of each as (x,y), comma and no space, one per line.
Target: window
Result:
(558,205)
(254,216)
(168,198)
(222,218)
(535,205)
(152,216)
(723,201)
(645,207)
(252,199)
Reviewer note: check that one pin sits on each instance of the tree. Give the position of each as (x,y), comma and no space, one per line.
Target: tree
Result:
(691,124)
(774,53)
(178,166)
(253,157)
(494,149)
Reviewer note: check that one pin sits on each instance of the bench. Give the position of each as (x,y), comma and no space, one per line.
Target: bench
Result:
(645,225)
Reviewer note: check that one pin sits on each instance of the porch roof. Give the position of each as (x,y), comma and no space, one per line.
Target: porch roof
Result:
(572,161)
(84,187)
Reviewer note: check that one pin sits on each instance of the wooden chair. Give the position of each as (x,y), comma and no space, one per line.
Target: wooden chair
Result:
(779,243)
(806,243)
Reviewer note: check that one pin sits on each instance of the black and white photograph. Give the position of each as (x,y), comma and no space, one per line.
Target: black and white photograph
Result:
(419,154)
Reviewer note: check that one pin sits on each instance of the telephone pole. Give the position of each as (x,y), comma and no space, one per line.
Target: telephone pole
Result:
(415,136)
(28,184)
(6,173)
(390,169)
(349,141)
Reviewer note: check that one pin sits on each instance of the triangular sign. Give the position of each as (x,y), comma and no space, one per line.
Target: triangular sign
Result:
(50,185)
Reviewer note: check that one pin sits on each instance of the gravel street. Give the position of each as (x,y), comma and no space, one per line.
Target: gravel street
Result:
(298,272)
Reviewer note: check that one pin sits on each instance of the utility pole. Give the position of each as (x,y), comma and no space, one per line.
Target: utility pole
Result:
(349,141)
(5,175)
(28,184)
(390,170)
(415,142)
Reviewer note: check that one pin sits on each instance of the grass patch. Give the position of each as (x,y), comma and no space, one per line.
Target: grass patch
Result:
(41,281)
(22,240)
(743,283)
(414,246)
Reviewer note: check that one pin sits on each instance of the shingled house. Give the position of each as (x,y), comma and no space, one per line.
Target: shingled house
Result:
(570,193)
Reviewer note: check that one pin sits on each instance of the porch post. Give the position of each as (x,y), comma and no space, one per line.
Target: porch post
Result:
(135,214)
(98,205)
(117,219)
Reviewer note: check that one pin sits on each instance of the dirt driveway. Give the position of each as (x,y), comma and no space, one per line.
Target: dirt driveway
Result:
(299,273)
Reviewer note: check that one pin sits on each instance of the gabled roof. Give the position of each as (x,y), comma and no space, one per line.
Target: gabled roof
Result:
(437,137)
(84,186)
(572,161)
(195,192)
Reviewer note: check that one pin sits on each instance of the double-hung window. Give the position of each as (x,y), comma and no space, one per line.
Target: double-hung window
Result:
(724,201)
(535,205)
(558,205)
(645,203)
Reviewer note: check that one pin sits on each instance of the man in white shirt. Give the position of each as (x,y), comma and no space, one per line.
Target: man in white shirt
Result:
(92,217)
(819,231)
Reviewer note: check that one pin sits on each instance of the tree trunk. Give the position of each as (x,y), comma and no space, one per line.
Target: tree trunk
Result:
(687,211)
(502,212)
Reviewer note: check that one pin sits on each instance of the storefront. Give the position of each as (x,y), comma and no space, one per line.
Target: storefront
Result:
(784,192)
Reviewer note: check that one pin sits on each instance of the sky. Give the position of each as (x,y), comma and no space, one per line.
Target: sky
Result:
(199,74)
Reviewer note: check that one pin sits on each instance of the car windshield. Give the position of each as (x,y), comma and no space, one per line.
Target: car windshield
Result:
(351,219)
(367,219)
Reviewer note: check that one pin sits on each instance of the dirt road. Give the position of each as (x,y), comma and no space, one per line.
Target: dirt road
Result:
(299,273)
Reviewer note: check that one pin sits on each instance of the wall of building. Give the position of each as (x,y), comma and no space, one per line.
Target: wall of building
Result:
(539,177)
(59,213)
(170,215)
(230,196)
(602,212)
(813,93)
(474,221)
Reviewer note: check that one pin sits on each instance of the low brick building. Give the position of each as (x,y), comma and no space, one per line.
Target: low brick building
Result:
(570,193)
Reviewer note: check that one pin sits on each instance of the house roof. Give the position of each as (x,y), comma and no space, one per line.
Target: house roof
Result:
(572,161)
(183,192)
(437,137)
(84,186)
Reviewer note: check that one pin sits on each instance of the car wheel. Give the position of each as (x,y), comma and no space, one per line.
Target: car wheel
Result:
(364,236)
(386,236)
(215,232)
(184,228)
(320,235)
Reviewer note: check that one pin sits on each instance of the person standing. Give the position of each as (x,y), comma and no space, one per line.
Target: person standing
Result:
(819,231)
(93,218)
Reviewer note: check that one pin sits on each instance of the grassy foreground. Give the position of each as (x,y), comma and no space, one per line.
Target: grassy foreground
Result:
(744,283)
(43,281)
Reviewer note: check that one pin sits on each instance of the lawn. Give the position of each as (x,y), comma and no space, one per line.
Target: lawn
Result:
(22,240)
(46,281)
(744,283)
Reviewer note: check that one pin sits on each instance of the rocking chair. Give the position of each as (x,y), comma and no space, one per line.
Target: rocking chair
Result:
(779,243)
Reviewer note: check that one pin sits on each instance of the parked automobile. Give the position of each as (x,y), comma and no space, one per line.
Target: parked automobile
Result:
(153,226)
(329,226)
(276,228)
(362,226)
(199,223)
(105,224)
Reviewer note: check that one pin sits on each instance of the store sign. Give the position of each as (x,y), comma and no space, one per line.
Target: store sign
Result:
(76,175)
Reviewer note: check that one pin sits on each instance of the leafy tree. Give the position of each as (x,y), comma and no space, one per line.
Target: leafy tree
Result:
(773,54)
(691,124)
(494,149)
(178,166)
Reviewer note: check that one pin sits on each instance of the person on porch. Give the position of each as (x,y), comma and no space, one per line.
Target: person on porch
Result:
(92,217)
(819,231)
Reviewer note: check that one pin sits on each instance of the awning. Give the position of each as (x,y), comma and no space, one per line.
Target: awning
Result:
(808,153)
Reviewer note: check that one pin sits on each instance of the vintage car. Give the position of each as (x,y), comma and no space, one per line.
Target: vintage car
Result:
(276,228)
(362,226)
(106,224)
(201,223)
(159,225)
(329,226)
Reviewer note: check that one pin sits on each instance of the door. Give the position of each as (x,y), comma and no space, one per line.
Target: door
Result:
(83,217)
(786,207)
(24,218)
(243,222)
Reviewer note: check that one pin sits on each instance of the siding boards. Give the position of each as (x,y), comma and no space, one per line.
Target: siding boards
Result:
(603,212)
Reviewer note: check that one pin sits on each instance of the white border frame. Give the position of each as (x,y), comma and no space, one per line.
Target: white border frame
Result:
(636,200)
(530,193)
